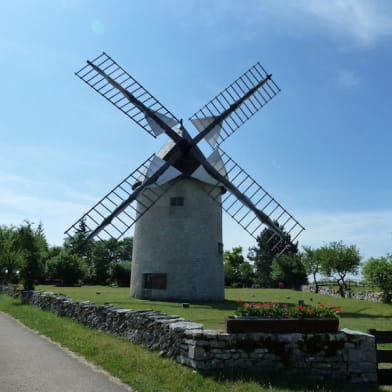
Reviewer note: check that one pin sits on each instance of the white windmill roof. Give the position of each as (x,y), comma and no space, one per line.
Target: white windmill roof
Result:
(200,173)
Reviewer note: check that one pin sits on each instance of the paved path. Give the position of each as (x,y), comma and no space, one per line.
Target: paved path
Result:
(32,363)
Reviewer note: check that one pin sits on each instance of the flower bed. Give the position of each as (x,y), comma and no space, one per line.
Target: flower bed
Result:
(281,318)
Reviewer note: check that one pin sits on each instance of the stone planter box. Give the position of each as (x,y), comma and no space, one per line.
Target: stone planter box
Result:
(247,324)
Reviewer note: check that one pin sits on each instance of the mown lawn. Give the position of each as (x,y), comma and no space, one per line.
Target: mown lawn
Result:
(357,315)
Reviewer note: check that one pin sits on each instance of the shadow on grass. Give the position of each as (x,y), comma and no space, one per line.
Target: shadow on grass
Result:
(289,382)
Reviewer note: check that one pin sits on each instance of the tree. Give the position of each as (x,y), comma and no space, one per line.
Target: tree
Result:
(238,272)
(120,273)
(32,255)
(103,253)
(288,268)
(78,244)
(10,254)
(337,260)
(378,272)
(268,246)
(311,260)
(246,274)
(66,268)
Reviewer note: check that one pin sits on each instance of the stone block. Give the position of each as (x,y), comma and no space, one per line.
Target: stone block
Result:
(217,344)
(196,353)
(185,325)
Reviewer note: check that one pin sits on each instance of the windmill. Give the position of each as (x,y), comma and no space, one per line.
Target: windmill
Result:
(175,198)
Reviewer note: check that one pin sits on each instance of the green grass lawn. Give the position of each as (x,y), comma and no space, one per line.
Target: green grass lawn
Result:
(145,371)
(357,315)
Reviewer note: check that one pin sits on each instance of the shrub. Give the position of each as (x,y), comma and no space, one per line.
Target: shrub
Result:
(66,268)
(120,273)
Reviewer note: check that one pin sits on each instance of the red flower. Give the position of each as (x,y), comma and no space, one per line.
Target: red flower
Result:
(337,308)
(300,307)
(310,311)
(239,301)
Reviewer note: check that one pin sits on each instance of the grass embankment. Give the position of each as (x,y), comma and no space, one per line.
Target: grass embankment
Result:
(357,315)
(146,371)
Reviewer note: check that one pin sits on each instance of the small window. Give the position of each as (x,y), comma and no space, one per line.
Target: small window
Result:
(220,248)
(154,281)
(177,201)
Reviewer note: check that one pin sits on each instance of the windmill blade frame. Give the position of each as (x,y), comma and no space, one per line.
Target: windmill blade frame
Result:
(250,205)
(110,80)
(114,214)
(235,105)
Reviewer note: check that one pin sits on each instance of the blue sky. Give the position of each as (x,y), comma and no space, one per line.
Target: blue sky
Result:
(322,147)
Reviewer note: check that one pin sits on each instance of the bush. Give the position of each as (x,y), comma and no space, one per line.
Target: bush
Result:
(378,272)
(120,273)
(66,268)
(289,270)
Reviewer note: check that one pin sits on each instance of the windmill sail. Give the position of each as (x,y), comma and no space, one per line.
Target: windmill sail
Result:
(261,199)
(236,104)
(245,201)
(103,70)
(127,217)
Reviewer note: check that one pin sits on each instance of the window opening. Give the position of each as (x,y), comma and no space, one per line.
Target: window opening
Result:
(177,201)
(155,281)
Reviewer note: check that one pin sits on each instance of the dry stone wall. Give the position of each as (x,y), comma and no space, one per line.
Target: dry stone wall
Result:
(346,356)
(365,295)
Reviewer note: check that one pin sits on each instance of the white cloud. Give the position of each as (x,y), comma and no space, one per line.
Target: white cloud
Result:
(365,21)
(361,21)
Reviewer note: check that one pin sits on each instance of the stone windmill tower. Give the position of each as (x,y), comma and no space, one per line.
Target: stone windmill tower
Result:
(175,198)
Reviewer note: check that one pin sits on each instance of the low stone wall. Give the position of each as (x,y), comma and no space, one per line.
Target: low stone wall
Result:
(372,296)
(346,356)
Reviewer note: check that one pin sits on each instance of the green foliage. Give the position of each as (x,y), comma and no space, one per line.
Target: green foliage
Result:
(10,254)
(268,246)
(246,274)
(54,251)
(33,249)
(120,273)
(99,255)
(78,244)
(378,272)
(66,268)
(288,268)
(337,260)
(312,263)
(238,272)
(103,254)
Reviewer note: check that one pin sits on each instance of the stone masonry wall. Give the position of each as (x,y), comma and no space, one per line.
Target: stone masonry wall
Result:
(372,296)
(346,356)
